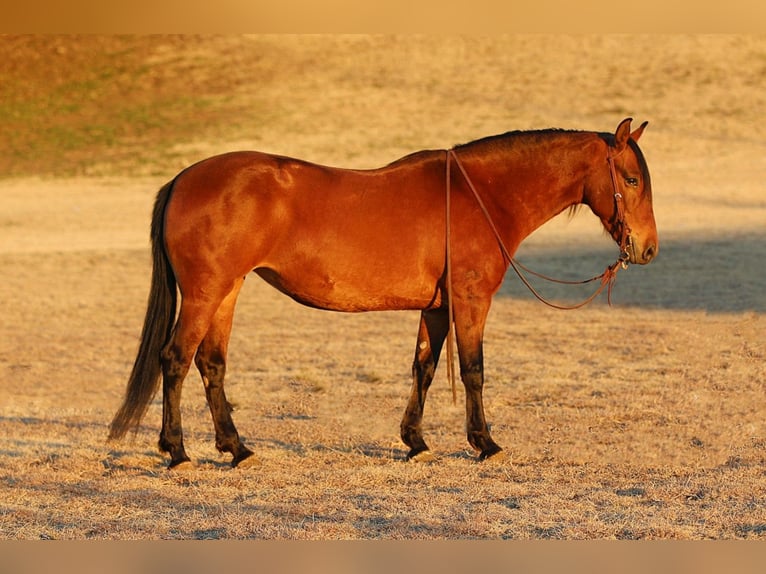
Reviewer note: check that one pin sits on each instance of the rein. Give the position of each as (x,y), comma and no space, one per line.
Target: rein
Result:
(607,278)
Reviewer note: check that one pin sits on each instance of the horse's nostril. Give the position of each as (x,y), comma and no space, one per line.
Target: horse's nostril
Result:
(650,252)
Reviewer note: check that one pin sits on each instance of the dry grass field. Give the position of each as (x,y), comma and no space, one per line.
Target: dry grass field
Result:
(644,420)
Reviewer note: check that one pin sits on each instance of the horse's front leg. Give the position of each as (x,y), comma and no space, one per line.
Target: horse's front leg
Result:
(434,325)
(469,330)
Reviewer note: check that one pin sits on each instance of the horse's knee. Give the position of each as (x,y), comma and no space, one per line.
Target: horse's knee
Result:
(473,378)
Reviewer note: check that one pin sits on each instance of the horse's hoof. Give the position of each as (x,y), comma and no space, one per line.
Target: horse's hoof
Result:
(422,456)
(246,460)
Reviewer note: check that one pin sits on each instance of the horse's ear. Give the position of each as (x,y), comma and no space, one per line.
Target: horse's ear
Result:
(638,131)
(622,134)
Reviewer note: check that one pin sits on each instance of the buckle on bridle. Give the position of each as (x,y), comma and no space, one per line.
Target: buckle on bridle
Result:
(624,259)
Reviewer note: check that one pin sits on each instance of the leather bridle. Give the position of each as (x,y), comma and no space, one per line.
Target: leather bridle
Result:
(626,240)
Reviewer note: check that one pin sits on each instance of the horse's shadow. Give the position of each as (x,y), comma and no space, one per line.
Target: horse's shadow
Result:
(717,274)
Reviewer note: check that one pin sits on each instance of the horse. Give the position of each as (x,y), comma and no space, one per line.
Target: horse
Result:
(417,234)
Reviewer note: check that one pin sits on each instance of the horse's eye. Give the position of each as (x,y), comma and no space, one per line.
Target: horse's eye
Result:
(632,181)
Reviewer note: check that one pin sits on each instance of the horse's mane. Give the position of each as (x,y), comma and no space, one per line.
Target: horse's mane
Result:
(508,138)
(511,136)
(514,135)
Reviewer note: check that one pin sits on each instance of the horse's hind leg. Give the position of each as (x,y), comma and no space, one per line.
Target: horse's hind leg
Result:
(211,362)
(192,324)
(434,325)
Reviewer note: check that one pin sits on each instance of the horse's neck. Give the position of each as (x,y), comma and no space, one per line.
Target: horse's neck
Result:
(531,186)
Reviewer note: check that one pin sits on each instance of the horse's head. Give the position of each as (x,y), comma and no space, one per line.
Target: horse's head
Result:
(619,192)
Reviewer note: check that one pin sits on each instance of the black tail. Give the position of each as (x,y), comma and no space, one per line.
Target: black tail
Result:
(158,323)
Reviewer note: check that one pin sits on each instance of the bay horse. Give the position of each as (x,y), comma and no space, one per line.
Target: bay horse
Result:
(413,235)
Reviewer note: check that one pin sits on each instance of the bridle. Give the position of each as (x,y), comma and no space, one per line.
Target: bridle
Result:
(607,278)
(626,239)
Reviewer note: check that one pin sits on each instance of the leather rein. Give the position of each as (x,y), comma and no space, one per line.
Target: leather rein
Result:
(607,278)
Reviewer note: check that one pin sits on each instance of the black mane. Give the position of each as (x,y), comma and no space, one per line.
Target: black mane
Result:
(504,137)
(508,137)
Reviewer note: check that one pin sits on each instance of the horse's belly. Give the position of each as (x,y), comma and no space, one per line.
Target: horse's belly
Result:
(363,292)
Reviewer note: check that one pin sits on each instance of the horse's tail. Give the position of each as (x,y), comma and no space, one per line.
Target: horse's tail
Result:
(160,315)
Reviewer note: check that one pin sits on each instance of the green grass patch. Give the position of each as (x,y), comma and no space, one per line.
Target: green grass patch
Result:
(82,105)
